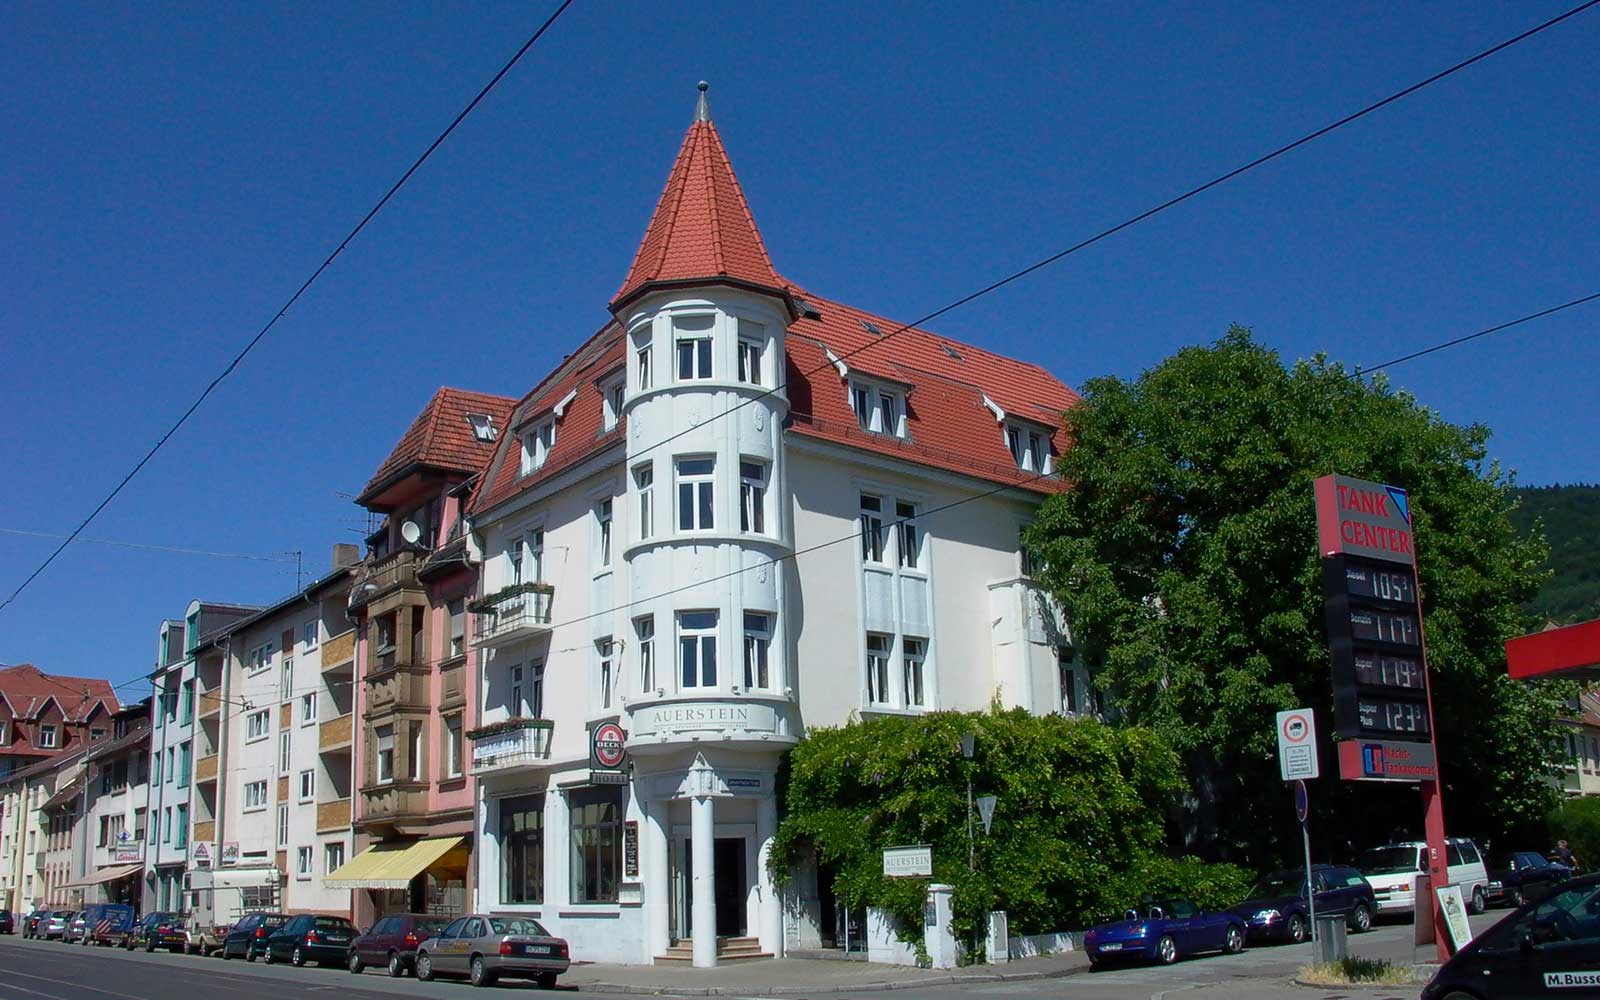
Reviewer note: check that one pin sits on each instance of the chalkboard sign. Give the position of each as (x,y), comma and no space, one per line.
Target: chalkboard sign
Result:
(630,849)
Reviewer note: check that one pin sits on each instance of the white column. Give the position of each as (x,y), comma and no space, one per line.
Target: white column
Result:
(702,832)
(657,875)
(557,849)
(770,923)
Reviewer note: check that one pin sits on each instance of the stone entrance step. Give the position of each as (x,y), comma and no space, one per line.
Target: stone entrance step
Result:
(729,949)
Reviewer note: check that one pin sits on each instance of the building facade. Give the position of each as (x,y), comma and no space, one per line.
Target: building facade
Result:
(414,800)
(109,859)
(273,791)
(47,715)
(175,704)
(34,867)
(1581,774)
(730,515)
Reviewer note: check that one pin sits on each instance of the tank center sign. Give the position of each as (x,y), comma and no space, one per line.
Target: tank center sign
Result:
(1382,716)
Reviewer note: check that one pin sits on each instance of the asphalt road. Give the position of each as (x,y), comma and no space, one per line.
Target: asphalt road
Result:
(37,970)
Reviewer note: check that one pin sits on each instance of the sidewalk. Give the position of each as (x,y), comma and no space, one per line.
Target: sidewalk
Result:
(805,977)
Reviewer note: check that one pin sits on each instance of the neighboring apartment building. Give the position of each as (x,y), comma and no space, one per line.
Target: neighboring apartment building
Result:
(1582,723)
(176,682)
(32,869)
(414,803)
(727,516)
(110,851)
(272,787)
(62,818)
(46,715)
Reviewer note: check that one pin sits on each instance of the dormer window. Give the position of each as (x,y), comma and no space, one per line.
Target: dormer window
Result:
(483,428)
(693,341)
(537,444)
(612,395)
(1029,447)
(879,409)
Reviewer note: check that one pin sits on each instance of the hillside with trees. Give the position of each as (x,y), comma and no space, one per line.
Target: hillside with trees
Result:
(1571,519)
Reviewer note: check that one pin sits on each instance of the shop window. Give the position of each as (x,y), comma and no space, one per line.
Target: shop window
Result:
(522,849)
(596,843)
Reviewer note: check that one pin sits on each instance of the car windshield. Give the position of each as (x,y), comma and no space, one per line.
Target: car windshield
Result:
(1390,860)
(334,924)
(1279,884)
(430,928)
(518,925)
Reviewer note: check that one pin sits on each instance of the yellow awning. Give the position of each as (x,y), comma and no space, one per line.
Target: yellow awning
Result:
(390,866)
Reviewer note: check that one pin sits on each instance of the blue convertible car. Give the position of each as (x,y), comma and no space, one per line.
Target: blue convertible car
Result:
(1163,931)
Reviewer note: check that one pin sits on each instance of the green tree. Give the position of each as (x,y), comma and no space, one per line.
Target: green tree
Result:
(1185,555)
(1078,826)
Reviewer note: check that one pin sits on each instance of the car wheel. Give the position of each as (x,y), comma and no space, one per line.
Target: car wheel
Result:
(547,980)
(480,974)
(1361,919)
(267,956)
(1478,903)
(354,963)
(297,958)
(1166,950)
(1514,898)
(150,946)
(424,967)
(1233,942)
(250,952)
(225,956)
(397,966)
(1297,929)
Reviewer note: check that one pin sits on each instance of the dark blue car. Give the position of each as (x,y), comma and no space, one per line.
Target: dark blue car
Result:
(1276,909)
(1164,931)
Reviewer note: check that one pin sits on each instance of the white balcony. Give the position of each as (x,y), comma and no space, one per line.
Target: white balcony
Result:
(504,618)
(512,744)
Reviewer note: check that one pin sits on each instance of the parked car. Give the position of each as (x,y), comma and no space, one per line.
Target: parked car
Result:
(7,924)
(162,929)
(311,938)
(31,923)
(1277,911)
(1518,876)
(1162,931)
(75,928)
(485,948)
(107,923)
(55,924)
(205,940)
(1546,948)
(1393,869)
(392,942)
(248,938)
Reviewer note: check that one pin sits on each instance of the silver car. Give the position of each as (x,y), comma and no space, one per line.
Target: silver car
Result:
(484,948)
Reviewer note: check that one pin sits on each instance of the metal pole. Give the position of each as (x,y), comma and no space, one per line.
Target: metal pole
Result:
(971,856)
(1311,888)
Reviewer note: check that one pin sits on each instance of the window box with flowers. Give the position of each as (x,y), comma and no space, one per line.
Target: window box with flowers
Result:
(512,612)
(510,743)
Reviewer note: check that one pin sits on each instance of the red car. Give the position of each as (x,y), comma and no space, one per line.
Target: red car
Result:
(392,942)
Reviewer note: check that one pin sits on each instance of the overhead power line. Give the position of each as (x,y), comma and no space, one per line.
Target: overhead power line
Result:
(287,557)
(304,286)
(1473,336)
(1172,202)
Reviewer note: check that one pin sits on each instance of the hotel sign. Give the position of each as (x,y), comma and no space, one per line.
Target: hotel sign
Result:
(915,861)
(686,717)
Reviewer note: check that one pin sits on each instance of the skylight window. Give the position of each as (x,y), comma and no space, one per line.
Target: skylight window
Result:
(483,428)
(951,351)
(871,328)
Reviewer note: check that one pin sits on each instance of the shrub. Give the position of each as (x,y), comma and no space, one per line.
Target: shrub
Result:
(1209,886)
(1577,821)
(1077,830)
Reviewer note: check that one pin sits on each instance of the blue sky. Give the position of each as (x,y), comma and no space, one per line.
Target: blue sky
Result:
(173,172)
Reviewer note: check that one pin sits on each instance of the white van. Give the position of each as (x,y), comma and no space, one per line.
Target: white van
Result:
(1393,870)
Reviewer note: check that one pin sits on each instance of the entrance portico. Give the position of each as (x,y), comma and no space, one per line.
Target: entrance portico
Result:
(709,829)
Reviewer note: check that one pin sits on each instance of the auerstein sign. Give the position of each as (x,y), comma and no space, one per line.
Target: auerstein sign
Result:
(693,716)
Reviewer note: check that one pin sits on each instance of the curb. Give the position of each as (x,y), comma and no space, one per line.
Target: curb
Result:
(871,987)
(1365,989)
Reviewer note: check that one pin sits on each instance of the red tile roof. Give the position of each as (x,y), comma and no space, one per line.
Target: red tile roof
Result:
(441,436)
(28,689)
(702,227)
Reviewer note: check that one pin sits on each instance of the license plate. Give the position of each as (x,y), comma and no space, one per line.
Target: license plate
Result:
(1111,947)
(536,949)
(338,939)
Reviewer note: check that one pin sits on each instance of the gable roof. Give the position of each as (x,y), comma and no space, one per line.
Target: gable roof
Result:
(29,689)
(702,227)
(441,437)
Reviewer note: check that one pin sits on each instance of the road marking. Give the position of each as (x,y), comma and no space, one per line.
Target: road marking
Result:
(65,982)
(36,993)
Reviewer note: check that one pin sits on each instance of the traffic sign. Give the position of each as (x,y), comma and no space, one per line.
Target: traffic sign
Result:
(1302,801)
(1297,744)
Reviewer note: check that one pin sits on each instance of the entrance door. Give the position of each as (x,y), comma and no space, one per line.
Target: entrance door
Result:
(731,888)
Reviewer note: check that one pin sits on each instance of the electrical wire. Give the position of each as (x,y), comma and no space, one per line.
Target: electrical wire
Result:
(1136,219)
(1473,336)
(304,286)
(152,548)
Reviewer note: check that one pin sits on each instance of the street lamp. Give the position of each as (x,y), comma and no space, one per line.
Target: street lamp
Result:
(969,746)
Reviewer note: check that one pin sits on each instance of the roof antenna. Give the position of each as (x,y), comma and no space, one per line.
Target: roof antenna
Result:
(702,110)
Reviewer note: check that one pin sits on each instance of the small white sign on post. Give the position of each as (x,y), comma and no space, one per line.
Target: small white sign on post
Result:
(1297,744)
(908,862)
(1455,914)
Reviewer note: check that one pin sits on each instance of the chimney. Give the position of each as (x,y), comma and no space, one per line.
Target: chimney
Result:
(345,554)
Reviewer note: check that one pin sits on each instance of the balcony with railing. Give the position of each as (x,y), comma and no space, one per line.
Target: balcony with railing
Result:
(510,744)
(205,831)
(339,653)
(332,816)
(394,571)
(517,612)
(210,703)
(334,735)
(205,768)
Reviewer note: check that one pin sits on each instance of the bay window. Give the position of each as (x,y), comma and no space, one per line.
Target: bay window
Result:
(757,651)
(696,494)
(385,741)
(693,336)
(644,478)
(753,497)
(645,631)
(697,649)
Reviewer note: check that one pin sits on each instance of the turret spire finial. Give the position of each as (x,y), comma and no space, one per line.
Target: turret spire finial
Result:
(702,110)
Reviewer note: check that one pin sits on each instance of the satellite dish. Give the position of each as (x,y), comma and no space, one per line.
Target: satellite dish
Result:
(410,532)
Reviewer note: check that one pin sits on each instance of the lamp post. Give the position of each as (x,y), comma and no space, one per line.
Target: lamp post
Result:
(969,746)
